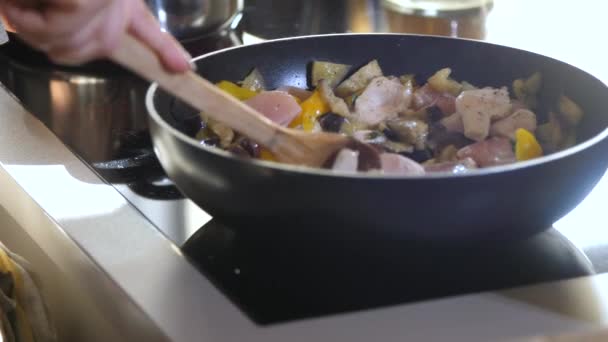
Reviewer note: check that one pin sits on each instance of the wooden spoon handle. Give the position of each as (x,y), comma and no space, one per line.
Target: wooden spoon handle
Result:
(197,92)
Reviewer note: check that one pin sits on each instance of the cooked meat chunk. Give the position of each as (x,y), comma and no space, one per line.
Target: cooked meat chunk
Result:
(490,152)
(506,127)
(479,108)
(383,99)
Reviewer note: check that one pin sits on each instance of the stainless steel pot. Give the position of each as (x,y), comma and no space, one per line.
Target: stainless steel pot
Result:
(89,107)
(189,19)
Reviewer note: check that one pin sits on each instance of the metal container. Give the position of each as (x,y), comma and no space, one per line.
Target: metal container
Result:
(93,109)
(190,19)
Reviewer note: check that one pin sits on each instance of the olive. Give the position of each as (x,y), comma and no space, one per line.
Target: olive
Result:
(251,147)
(331,122)
(434,113)
(391,134)
(439,137)
(419,156)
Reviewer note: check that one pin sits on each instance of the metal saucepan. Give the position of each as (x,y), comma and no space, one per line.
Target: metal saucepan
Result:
(507,202)
(85,106)
(188,19)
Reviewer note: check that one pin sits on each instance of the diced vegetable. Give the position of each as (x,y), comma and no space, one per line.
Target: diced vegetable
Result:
(370,137)
(207,137)
(442,82)
(448,154)
(569,139)
(526,145)
(443,124)
(551,134)
(267,155)
(410,131)
(236,91)
(360,79)
(467,86)
(336,104)
(526,90)
(352,99)
(333,73)
(254,81)
(252,149)
(381,140)
(570,112)
(408,80)
(312,108)
(419,156)
(398,147)
(299,93)
(225,133)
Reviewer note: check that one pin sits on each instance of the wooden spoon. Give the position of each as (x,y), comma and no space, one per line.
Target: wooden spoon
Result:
(287,145)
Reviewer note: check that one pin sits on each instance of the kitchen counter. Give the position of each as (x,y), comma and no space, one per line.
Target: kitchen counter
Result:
(147,290)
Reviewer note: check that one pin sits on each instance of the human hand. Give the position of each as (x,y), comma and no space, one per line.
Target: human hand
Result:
(78,31)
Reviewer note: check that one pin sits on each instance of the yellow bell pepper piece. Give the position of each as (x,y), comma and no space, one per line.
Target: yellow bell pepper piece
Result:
(312,108)
(267,155)
(526,145)
(236,91)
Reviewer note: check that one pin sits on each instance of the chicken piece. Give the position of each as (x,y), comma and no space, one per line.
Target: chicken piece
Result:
(506,127)
(456,167)
(346,160)
(476,125)
(453,123)
(383,99)
(396,164)
(480,107)
(336,104)
(490,152)
(517,105)
(425,97)
(278,106)
(360,79)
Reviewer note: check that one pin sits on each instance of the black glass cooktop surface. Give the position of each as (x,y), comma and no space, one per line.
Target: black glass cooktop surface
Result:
(291,277)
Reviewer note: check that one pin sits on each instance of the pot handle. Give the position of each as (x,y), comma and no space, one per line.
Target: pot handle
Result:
(3,34)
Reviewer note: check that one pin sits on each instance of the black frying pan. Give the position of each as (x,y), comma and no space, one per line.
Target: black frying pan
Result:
(508,202)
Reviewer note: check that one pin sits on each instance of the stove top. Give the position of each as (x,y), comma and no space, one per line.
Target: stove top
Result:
(301,278)
(98,112)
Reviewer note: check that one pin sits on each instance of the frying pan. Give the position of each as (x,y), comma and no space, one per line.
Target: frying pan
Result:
(496,204)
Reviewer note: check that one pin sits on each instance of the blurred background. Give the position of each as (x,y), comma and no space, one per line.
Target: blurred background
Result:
(459,18)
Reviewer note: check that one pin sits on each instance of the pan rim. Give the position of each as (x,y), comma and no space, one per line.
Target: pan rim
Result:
(304,170)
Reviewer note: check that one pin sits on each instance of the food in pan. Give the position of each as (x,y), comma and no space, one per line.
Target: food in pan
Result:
(434,125)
